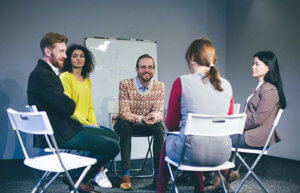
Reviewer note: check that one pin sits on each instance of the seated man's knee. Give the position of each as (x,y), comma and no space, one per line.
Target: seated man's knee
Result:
(123,127)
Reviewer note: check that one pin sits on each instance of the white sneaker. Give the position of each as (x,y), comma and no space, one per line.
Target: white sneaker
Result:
(102,180)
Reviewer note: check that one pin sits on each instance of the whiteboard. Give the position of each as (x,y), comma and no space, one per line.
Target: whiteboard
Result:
(115,61)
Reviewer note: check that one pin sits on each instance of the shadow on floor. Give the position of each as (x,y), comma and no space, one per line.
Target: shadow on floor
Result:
(278,175)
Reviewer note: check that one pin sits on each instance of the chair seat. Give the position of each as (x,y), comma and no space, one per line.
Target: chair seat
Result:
(253,151)
(226,165)
(52,164)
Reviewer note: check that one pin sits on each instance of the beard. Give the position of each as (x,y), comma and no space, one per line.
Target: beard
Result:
(145,79)
(56,62)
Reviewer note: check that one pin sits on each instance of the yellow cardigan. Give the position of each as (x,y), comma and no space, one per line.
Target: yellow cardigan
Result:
(81,93)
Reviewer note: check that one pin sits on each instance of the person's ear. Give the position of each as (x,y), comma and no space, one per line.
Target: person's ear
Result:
(47,51)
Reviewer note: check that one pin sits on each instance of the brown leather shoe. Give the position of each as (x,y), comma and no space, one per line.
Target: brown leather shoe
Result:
(234,175)
(87,188)
(83,187)
(126,183)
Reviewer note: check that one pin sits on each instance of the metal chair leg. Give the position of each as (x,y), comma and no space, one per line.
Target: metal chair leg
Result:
(240,164)
(40,181)
(223,184)
(50,181)
(173,179)
(149,151)
(250,172)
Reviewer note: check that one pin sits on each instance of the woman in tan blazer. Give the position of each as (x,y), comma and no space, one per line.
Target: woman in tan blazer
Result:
(263,104)
(261,108)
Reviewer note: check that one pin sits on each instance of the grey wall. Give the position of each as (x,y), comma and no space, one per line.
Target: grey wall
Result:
(267,25)
(173,24)
(238,28)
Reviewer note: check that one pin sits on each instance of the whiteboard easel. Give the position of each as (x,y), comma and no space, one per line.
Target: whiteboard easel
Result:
(115,61)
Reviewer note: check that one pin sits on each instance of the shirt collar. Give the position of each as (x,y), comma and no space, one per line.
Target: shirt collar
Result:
(55,69)
(140,86)
(259,85)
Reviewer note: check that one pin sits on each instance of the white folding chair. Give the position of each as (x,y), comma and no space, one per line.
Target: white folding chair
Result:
(37,123)
(260,153)
(113,110)
(207,125)
(48,175)
(236,108)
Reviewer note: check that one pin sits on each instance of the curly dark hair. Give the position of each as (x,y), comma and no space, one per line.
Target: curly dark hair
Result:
(89,64)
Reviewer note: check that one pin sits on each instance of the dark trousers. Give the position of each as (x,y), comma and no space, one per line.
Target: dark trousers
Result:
(103,144)
(126,130)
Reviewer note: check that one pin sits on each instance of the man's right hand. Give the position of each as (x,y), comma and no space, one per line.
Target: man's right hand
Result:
(149,119)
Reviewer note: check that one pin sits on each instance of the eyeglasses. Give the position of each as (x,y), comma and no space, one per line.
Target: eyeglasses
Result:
(145,67)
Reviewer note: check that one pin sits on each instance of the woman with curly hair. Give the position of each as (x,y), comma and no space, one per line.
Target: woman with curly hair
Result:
(77,85)
(75,79)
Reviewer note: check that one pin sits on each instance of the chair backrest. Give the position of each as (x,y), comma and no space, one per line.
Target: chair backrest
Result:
(236,108)
(279,113)
(112,111)
(275,123)
(113,107)
(36,123)
(263,150)
(32,108)
(215,125)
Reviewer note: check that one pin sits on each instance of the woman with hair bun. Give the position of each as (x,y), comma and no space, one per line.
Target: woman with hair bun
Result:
(203,92)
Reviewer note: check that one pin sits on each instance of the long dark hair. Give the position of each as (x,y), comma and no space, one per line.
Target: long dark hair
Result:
(89,64)
(204,53)
(273,75)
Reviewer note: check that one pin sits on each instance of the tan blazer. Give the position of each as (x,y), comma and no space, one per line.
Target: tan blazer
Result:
(261,111)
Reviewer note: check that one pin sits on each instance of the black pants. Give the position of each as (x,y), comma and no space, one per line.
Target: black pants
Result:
(126,130)
(103,145)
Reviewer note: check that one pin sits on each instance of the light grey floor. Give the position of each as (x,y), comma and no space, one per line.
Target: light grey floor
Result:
(278,175)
